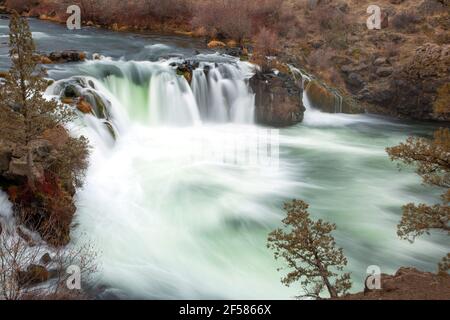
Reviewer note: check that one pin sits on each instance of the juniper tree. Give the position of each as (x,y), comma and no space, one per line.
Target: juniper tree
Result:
(27,117)
(310,252)
(23,90)
(431,157)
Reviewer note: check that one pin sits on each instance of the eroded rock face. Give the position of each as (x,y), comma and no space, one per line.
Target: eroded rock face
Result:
(323,99)
(411,89)
(416,84)
(278,99)
(38,195)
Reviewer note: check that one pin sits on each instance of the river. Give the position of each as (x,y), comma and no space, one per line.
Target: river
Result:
(169,225)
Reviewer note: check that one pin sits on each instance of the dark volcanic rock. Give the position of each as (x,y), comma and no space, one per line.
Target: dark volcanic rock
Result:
(67,56)
(411,90)
(278,99)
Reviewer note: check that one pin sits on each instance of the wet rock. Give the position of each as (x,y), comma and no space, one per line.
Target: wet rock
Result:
(35,274)
(325,100)
(216,44)
(66,56)
(46,259)
(68,100)
(84,106)
(321,98)
(185,69)
(278,99)
(4,74)
(44,60)
(71,91)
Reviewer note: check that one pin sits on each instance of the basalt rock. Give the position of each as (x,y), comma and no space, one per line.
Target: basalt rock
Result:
(66,56)
(40,199)
(185,69)
(410,90)
(327,101)
(278,99)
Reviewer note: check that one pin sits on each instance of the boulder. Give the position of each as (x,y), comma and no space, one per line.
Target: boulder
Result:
(46,259)
(384,71)
(278,99)
(67,56)
(185,69)
(216,44)
(380,61)
(355,81)
(84,106)
(35,274)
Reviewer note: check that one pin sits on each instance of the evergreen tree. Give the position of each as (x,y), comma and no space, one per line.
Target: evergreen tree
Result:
(23,89)
(33,125)
(431,157)
(310,252)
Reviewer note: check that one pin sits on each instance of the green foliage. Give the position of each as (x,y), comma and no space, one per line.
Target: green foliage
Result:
(310,252)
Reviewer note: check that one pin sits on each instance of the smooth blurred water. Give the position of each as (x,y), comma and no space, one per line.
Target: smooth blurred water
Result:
(168,227)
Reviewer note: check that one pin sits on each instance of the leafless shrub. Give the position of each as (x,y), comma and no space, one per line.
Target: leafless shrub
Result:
(321,59)
(391,50)
(266,42)
(406,21)
(30,270)
(234,18)
(20,5)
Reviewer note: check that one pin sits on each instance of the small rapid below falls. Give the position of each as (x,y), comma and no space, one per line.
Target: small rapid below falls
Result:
(171,221)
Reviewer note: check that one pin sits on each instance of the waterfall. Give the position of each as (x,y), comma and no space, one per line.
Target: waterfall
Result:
(218,93)
(337,102)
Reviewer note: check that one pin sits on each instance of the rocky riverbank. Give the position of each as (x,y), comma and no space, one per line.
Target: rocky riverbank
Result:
(408,284)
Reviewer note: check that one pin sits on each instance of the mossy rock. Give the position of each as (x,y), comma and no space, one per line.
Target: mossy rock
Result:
(320,97)
(326,100)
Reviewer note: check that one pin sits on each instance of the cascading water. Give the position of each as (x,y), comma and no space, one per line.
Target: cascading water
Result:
(171,219)
(191,226)
(167,224)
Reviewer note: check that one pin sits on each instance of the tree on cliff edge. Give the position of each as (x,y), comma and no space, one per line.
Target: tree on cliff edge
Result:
(54,162)
(310,252)
(431,157)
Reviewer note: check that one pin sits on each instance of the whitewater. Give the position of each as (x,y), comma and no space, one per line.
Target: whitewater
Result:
(168,224)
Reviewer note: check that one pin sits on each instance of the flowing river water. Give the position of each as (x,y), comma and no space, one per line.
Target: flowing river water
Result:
(168,224)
